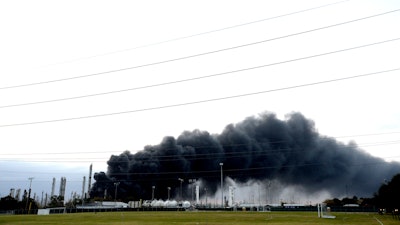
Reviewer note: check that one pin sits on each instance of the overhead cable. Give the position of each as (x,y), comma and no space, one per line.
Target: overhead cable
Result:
(212,146)
(202,101)
(194,78)
(187,57)
(205,156)
(202,33)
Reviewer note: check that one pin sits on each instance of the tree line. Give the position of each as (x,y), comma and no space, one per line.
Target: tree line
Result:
(387,197)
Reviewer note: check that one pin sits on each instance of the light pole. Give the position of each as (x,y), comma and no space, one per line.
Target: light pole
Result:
(181,180)
(116,189)
(152,192)
(222,187)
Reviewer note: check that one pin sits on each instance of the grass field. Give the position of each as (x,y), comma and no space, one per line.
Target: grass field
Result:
(201,218)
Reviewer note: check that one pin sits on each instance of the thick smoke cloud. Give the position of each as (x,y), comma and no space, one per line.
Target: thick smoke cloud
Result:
(259,148)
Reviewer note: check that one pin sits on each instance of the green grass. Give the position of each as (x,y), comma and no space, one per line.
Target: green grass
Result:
(200,218)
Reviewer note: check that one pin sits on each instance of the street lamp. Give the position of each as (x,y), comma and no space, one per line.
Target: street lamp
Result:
(152,193)
(181,180)
(222,186)
(169,189)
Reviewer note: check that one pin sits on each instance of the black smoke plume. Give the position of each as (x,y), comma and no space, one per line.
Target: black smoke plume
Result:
(261,148)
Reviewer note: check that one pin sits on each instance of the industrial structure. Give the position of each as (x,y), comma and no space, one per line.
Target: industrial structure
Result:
(90,180)
(83,187)
(53,186)
(63,184)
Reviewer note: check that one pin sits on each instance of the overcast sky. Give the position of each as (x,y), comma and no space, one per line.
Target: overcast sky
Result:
(110,46)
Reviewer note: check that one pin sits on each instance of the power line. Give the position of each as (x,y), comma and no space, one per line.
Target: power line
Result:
(214,146)
(208,156)
(203,101)
(195,78)
(370,134)
(178,59)
(204,172)
(228,170)
(203,33)
(252,168)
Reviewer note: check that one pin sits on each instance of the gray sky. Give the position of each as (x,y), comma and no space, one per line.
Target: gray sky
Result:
(55,40)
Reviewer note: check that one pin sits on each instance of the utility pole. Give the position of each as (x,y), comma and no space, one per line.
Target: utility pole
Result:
(222,186)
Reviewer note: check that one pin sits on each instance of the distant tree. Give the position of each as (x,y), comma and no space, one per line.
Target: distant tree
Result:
(32,204)
(8,203)
(388,195)
(73,203)
(56,201)
(25,195)
(353,200)
(333,202)
(344,201)
(367,202)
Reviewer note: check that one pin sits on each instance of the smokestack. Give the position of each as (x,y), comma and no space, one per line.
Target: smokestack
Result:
(12,192)
(63,183)
(83,187)
(53,187)
(197,194)
(41,201)
(17,194)
(90,180)
(231,196)
(45,200)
